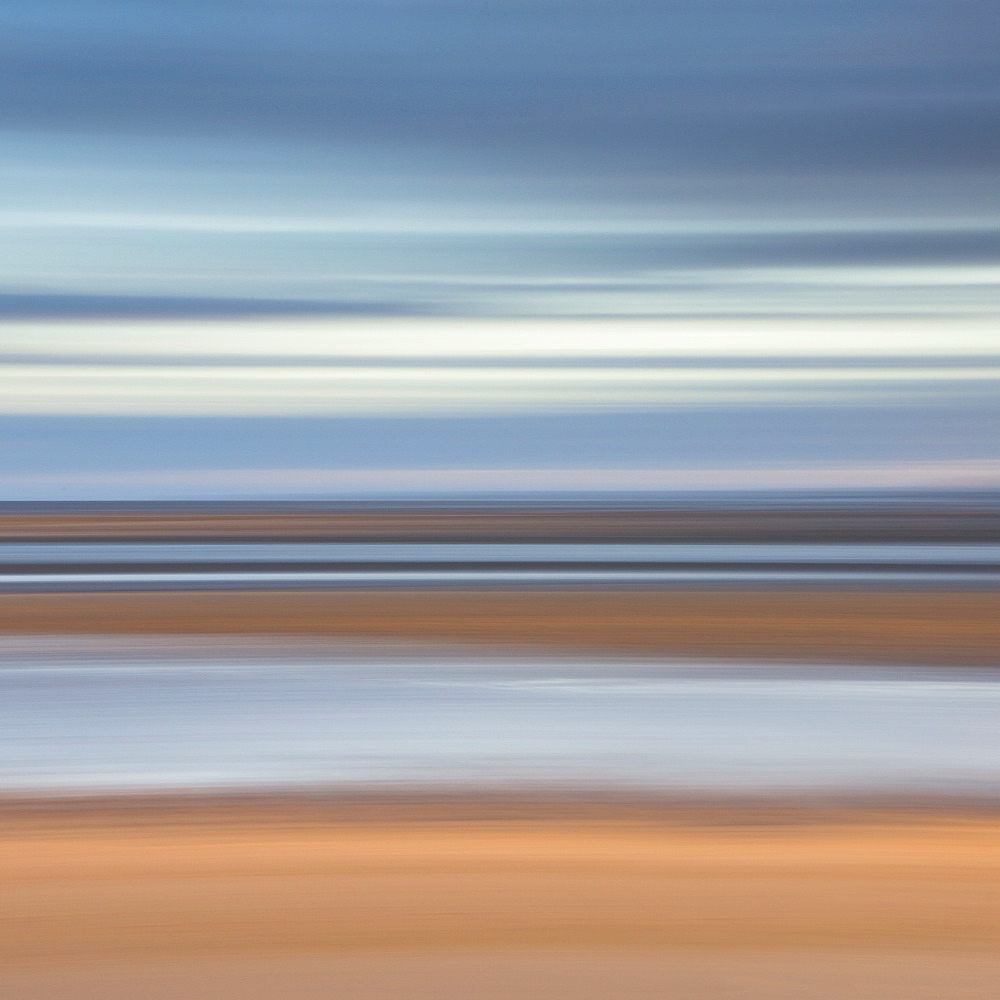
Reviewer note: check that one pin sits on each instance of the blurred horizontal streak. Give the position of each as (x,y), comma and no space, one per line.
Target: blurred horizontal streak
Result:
(448,336)
(164,389)
(952,520)
(581,219)
(116,566)
(115,893)
(520,578)
(90,306)
(843,365)
(498,973)
(185,376)
(970,475)
(692,810)
(824,626)
(82,556)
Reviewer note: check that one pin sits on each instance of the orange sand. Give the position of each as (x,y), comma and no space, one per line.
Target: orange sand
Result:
(102,909)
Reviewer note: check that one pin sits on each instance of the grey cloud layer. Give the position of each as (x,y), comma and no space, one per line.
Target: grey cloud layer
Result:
(233,274)
(627,85)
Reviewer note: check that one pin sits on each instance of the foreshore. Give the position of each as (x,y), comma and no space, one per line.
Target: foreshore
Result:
(548,896)
(823,626)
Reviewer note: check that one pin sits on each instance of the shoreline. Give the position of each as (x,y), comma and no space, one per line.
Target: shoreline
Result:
(264,809)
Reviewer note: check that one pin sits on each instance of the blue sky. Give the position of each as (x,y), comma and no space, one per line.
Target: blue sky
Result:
(294,242)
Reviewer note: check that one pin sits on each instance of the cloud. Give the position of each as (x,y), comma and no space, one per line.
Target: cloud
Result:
(983,474)
(431,337)
(48,306)
(761,85)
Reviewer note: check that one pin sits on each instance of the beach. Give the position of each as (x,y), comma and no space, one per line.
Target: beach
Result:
(453,899)
(761,880)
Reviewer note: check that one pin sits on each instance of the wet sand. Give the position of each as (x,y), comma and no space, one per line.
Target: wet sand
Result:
(957,627)
(786,523)
(384,904)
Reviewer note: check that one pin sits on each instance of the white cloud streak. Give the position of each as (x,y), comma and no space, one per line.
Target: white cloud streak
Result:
(121,390)
(447,337)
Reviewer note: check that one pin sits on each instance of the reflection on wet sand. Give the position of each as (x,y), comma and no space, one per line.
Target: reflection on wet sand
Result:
(950,627)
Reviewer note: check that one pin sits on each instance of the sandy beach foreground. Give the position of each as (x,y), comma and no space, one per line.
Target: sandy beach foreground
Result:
(954,627)
(437,903)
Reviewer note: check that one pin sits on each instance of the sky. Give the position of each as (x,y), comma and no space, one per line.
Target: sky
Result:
(327,247)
